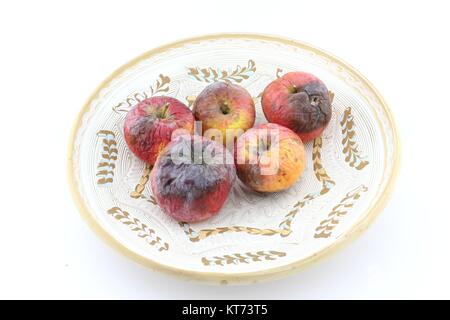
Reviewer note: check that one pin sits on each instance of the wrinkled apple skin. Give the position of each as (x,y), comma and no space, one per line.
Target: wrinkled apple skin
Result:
(224,106)
(300,102)
(288,154)
(192,192)
(149,125)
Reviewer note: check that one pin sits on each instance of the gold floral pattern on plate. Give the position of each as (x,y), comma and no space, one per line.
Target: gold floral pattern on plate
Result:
(247,257)
(139,228)
(161,86)
(137,193)
(352,154)
(106,166)
(327,225)
(209,74)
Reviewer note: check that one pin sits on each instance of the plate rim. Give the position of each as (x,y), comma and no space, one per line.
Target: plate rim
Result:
(254,276)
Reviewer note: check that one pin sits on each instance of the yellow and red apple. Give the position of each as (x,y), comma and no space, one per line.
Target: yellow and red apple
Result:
(269,158)
(225,107)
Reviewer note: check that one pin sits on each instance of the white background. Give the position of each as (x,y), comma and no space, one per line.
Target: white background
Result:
(54,54)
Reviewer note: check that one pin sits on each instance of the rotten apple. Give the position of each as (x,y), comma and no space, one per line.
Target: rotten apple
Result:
(192,178)
(300,102)
(150,124)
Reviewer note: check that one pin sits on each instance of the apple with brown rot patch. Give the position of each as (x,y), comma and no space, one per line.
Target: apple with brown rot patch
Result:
(192,178)
(299,101)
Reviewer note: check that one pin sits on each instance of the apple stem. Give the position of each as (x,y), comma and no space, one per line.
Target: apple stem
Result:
(224,108)
(163,113)
(293,89)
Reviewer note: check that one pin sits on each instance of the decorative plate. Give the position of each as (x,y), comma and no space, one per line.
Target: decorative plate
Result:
(349,173)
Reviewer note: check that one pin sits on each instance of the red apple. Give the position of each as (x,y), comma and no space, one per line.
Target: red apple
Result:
(150,124)
(300,102)
(226,107)
(192,178)
(269,158)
